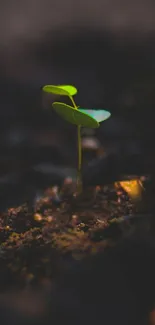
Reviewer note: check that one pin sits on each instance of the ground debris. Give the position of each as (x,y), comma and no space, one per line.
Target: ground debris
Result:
(39,242)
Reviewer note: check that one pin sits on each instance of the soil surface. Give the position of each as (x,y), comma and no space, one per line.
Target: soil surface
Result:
(39,242)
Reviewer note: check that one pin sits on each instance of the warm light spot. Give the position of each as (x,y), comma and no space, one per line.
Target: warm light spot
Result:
(74,216)
(132,187)
(37,217)
(49,218)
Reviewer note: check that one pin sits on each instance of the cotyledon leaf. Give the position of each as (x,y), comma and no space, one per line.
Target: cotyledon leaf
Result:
(56,90)
(70,89)
(74,116)
(62,90)
(99,115)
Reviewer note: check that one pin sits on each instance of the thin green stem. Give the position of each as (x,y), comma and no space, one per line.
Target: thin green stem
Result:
(79,176)
(73,102)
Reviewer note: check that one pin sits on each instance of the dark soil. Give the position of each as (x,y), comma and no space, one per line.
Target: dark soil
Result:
(39,243)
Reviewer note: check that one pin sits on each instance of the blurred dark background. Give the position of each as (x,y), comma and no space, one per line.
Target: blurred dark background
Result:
(105,48)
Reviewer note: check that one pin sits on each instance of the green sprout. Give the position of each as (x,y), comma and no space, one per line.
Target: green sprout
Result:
(88,118)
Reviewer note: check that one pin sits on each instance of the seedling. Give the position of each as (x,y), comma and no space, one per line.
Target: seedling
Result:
(76,115)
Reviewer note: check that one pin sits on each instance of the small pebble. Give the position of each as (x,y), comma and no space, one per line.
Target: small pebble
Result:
(50,218)
(37,217)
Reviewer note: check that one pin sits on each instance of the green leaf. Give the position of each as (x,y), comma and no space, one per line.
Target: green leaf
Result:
(70,89)
(62,90)
(99,115)
(56,90)
(74,116)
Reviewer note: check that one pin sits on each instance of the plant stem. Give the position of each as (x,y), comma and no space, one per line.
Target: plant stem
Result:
(79,176)
(72,100)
